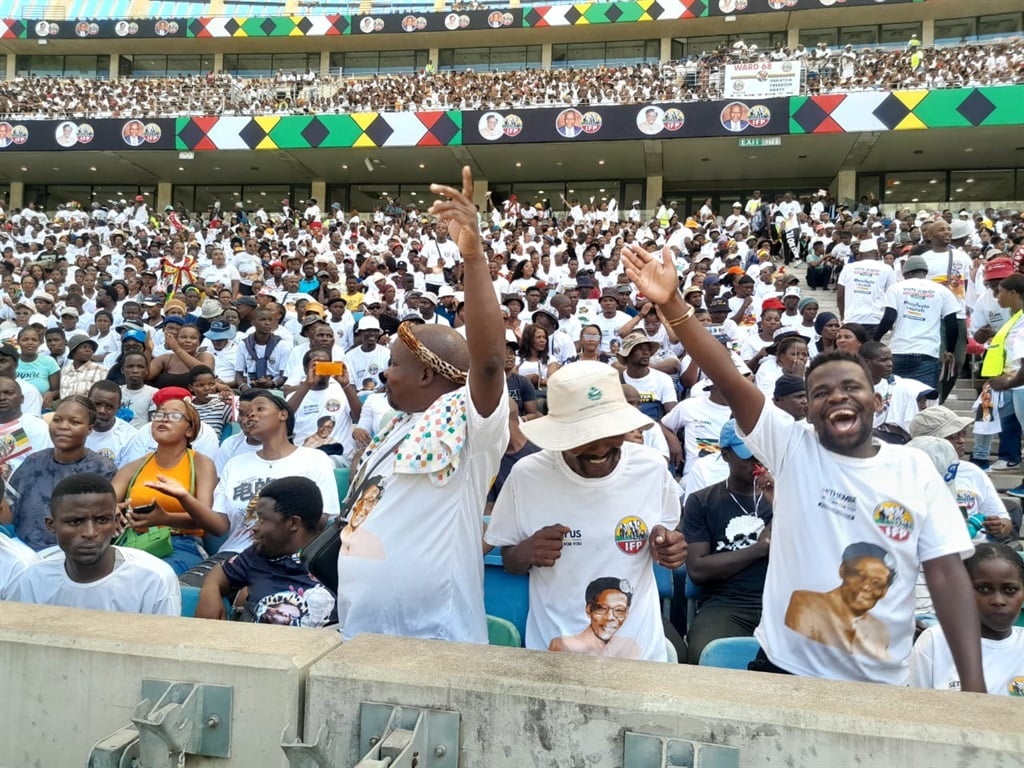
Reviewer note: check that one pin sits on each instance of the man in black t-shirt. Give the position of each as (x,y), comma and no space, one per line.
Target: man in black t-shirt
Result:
(728,528)
(520,389)
(281,590)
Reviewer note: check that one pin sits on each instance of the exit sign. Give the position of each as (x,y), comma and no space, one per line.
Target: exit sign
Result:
(761,141)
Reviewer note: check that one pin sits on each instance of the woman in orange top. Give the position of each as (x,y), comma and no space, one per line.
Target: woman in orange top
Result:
(174,479)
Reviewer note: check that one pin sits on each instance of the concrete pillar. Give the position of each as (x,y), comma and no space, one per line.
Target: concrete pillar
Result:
(434,56)
(16,200)
(163,195)
(927,33)
(12,67)
(115,66)
(218,62)
(318,191)
(666,50)
(545,56)
(844,187)
(654,192)
(480,195)
(325,63)
(792,38)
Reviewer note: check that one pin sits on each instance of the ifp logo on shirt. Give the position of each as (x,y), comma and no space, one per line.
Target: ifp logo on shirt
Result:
(893,520)
(631,535)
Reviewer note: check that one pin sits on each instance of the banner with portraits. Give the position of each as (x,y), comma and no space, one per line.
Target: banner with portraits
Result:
(762,79)
(104,135)
(636,121)
(735,7)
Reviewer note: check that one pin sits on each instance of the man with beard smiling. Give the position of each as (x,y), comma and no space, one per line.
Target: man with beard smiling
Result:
(622,519)
(90,572)
(834,487)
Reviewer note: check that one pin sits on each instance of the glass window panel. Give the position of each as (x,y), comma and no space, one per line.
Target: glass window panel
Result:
(955,30)
(857,36)
(146,65)
(466,58)
(61,194)
(867,185)
(392,62)
(695,46)
(296,63)
(508,57)
(360,62)
(183,196)
(249,65)
(652,50)
(917,187)
(80,66)
(184,65)
(678,49)
(811,37)
(586,54)
(559,55)
(624,52)
(40,66)
(898,34)
(337,193)
(365,197)
(998,25)
(983,186)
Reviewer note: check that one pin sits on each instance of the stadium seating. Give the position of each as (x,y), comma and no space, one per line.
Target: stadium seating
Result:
(729,652)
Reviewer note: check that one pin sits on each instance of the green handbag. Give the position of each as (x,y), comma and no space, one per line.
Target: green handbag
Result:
(156,540)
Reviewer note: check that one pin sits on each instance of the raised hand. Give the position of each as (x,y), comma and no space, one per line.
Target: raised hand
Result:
(655,277)
(459,212)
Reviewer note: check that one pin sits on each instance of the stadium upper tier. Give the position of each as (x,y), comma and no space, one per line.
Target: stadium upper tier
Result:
(695,79)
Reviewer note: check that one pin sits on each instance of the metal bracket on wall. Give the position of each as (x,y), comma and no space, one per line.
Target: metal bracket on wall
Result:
(407,737)
(302,755)
(641,750)
(173,719)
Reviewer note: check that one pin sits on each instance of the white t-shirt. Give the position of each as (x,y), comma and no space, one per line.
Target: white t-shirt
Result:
(23,437)
(865,283)
(232,446)
(15,557)
(610,519)
(706,472)
(825,502)
(899,401)
(655,387)
(955,280)
(244,477)
(920,308)
(33,401)
(609,327)
(421,540)
(366,365)
(376,409)
(121,443)
(329,402)
(975,493)
(139,583)
(703,421)
(139,401)
(931,663)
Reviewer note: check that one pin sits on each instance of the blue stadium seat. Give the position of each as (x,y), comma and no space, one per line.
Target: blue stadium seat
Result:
(506,595)
(503,632)
(342,476)
(730,652)
(231,428)
(190,601)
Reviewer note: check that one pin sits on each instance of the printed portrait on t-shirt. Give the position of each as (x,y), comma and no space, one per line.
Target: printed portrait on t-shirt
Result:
(324,433)
(606,607)
(841,618)
(296,607)
(357,541)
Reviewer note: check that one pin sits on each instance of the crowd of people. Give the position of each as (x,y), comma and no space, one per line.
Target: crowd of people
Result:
(697,78)
(190,386)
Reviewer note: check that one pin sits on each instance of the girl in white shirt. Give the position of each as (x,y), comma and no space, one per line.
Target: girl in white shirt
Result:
(997,574)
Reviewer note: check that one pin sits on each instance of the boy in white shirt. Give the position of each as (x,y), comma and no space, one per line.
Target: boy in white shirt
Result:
(89,571)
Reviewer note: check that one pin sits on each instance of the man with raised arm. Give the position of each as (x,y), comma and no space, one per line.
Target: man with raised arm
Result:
(423,479)
(836,488)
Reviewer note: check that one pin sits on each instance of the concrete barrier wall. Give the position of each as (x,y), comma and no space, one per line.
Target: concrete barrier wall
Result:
(70,677)
(526,708)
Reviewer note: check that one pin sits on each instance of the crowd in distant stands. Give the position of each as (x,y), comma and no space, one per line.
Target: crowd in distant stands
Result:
(697,78)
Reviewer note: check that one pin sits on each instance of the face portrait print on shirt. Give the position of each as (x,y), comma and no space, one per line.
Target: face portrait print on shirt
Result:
(607,604)
(356,540)
(841,618)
